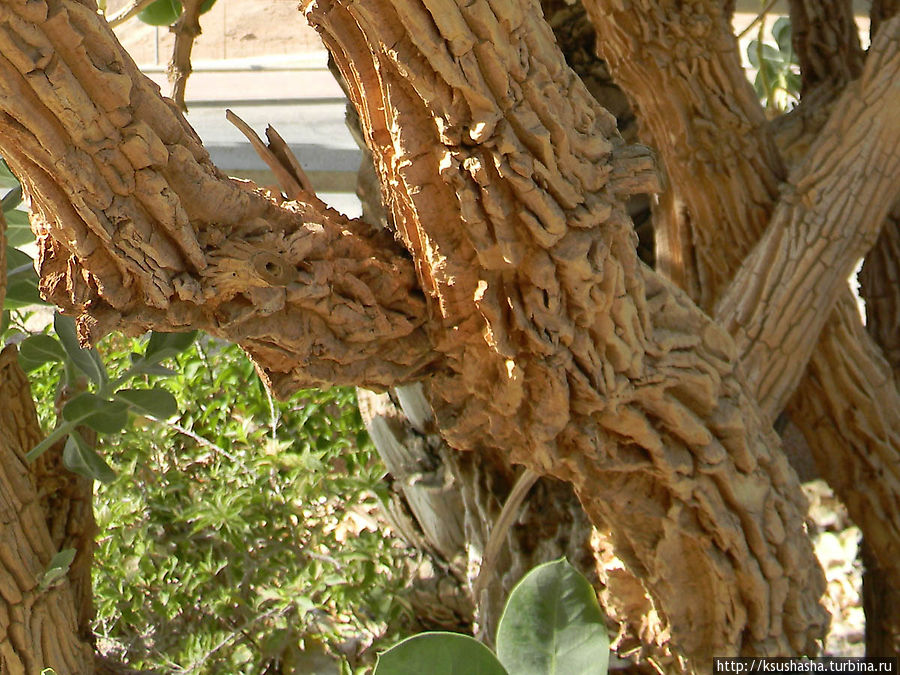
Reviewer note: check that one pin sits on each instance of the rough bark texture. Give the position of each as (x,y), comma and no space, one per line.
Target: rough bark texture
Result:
(533,195)
(826,40)
(545,341)
(681,68)
(38,628)
(846,372)
(149,233)
(449,502)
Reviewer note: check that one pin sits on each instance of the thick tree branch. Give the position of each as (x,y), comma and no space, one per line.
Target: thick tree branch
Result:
(507,183)
(679,64)
(601,373)
(38,627)
(882,10)
(830,213)
(856,445)
(137,227)
(826,40)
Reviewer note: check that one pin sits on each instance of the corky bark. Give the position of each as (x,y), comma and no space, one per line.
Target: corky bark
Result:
(826,40)
(443,489)
(880,287)
(149,233)
(38,628)
(456,91)
(544,339)
(852,368)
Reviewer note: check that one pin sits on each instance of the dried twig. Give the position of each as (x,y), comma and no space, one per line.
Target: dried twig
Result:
(501,526)
(759,17)
(186,30)
(131,9)
(278,157)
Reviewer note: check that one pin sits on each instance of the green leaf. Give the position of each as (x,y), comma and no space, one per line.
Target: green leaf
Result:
(18,229)
(163,345)
(21,280)
(156,402)
(105,417)
(781,31)
(87,361)
(7,180)
(753,53)
(161,13)
(11,199)
(37,350)
(552,624)
(4,321)
(438,654)
(58,567)
(81,458)
(166,12)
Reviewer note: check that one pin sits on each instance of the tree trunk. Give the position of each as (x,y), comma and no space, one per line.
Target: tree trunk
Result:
(539,336)
(39,628)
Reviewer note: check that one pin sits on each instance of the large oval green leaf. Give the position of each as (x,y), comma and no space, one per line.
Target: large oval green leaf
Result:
(82,459)
(156,402)
(553,625)
(439,654)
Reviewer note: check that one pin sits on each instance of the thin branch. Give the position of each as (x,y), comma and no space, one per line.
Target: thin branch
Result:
(186,30)
(759,17)
(504,521)
(278,157)
(132,9)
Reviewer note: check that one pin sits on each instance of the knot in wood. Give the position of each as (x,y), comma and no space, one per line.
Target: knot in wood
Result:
(273,269)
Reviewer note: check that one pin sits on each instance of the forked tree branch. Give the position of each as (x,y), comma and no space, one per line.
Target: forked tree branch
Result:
(508,183)
(137,229)
(493,160)
(665,87)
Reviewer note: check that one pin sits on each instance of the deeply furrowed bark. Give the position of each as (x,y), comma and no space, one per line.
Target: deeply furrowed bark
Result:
(507,184)
(38,628)
(554,407)
(442,487)
(845,358)
(150,234)
(826,40)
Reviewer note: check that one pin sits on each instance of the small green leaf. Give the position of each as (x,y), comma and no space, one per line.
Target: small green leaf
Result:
(40,349)
(156,402)
(81,406)
(18,229)
(753,53)
(82,459)
(4,321)
(99,414)
(105,417)
(11,199)
(166,12)
(439,654)
(7,180)
(87,361)
(161,13)
(57,568)
(163,345)
(781,31)
(552,624)
(21,280)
